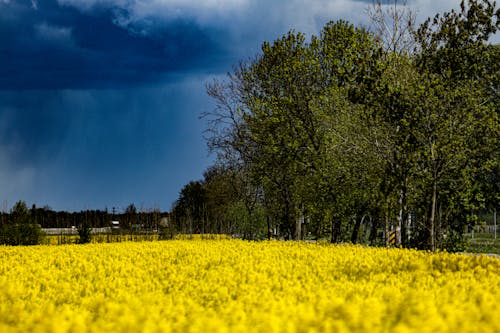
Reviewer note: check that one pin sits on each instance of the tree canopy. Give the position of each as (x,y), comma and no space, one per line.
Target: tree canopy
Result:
(348,133)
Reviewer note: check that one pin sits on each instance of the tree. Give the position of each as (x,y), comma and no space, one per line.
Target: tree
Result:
(226,187)
(458,60)
(455,44)
(20,230)
(20,213)
(84,232)
(130,216)
(190,209)
(276,117)
(433,121)
(352,124)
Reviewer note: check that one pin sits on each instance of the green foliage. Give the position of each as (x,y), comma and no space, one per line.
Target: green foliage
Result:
(454,242)
(482,243)
(20,234)
(130,217)
(20,230)
(20,213)
(250,225)
(454,44)
(84,232)
(166,232)
(189,210)
(166,229)
(342,126)
(295,96)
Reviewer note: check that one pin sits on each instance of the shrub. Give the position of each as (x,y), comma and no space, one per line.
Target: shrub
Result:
(84,231)
(21,234)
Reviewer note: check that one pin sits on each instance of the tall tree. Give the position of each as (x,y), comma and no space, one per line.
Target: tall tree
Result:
(349,124)
(189,211)
(464,130)
(275,106)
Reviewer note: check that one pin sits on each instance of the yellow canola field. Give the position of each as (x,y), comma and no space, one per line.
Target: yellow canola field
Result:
(238,286)
(112,238)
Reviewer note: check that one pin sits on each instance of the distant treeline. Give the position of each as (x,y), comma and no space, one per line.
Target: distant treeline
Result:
(49,218)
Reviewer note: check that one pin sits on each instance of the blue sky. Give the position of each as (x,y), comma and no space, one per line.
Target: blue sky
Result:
(100,99)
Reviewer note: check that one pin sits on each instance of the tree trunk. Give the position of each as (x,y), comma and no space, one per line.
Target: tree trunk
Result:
(404,218)
(269,230)
(439,224)
(386,229)
(335,230)
(298,228)
(373,231)
(432,217)
(355,231)
(287,224)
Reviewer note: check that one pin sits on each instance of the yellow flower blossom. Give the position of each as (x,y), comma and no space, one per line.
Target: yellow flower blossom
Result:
(220,285)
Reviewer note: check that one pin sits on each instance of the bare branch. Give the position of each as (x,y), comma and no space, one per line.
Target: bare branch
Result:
(393,24)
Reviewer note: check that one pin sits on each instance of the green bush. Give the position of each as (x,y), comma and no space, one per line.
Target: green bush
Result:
(454,242)
(20,234)
(84,231)
(166,232)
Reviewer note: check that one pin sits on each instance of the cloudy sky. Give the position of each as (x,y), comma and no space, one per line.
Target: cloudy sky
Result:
(100,99)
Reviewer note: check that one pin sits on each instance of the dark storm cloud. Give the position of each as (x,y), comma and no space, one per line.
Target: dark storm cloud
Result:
(57,47)
(99,99)
(32,124)
(142,149)
(94,107)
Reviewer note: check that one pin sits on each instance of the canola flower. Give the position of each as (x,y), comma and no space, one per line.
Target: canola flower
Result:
(237,286)
(64,239)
